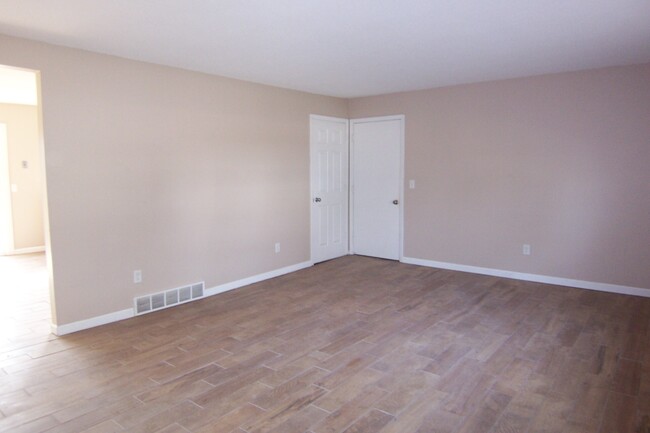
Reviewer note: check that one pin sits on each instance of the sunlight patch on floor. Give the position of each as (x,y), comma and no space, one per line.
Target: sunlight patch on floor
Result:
(25,313)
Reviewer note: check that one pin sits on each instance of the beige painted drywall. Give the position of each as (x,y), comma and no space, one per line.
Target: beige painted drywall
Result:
(183,175)
(27,200)
(560,162)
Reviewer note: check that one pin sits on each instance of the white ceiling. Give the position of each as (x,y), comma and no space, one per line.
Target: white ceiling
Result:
(348,47)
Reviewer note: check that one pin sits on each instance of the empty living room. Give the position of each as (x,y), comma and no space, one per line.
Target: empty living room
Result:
(325,216)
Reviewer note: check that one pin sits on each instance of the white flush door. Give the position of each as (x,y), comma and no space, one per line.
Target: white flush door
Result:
(329,187)
(377,145)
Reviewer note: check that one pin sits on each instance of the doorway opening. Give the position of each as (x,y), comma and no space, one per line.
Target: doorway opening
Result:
(26,312)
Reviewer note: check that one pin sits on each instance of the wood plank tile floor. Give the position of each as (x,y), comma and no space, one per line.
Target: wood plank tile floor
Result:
(352,345)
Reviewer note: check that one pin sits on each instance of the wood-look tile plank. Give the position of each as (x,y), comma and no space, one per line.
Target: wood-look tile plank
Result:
(411,418)
(301,421)
(447,359)
(182,387)
(36,425)
(273,396)
(226,374)
(372,422)
(465,399)
(553,416)
(348,412)
(97,416)
(627,379)
(346,392)
(161,420)
(644,390)
(345,341)
(519,413)
(109,426)
(441,421)
(90,401)
(230,387)
(231,421)
(290,370)
(346,371)
(174,428)
(188,363)
(487,414)
(287,409)
(221,405)
(515,375)
(620,414)
(409,388)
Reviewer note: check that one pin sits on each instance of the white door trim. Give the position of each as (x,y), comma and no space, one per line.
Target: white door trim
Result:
(7,226)
(353,122)
(311,192)
(330,118)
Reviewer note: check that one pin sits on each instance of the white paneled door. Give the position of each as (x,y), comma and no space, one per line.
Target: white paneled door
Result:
(329,187)
(377,152)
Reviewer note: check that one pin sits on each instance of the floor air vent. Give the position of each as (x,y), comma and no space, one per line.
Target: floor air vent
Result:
(168,298)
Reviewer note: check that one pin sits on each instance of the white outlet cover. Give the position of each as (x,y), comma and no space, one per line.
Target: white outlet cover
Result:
(411,184)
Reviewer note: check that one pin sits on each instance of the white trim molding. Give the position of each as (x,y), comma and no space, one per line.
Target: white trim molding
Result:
(128,313)
(29,250)
(590,285)
(69,328)
(256,278)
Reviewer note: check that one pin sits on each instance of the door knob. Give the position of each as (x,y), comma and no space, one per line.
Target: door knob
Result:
(395,202)
(317,199)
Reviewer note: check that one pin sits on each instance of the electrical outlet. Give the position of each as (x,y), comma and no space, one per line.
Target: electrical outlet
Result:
(412,184)
(277,247)
(137,276)
(525,250)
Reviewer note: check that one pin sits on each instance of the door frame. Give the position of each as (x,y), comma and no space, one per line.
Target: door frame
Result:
(46,213)
(311,192)
(7,226)
(400,186)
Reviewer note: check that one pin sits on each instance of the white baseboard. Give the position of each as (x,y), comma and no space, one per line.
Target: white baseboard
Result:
(69,328)
(256,278)
(116,316)
(590,285)
(29,250)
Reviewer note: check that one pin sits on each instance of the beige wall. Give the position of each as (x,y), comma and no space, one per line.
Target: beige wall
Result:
(183,175)
(26,202)
(560,162)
